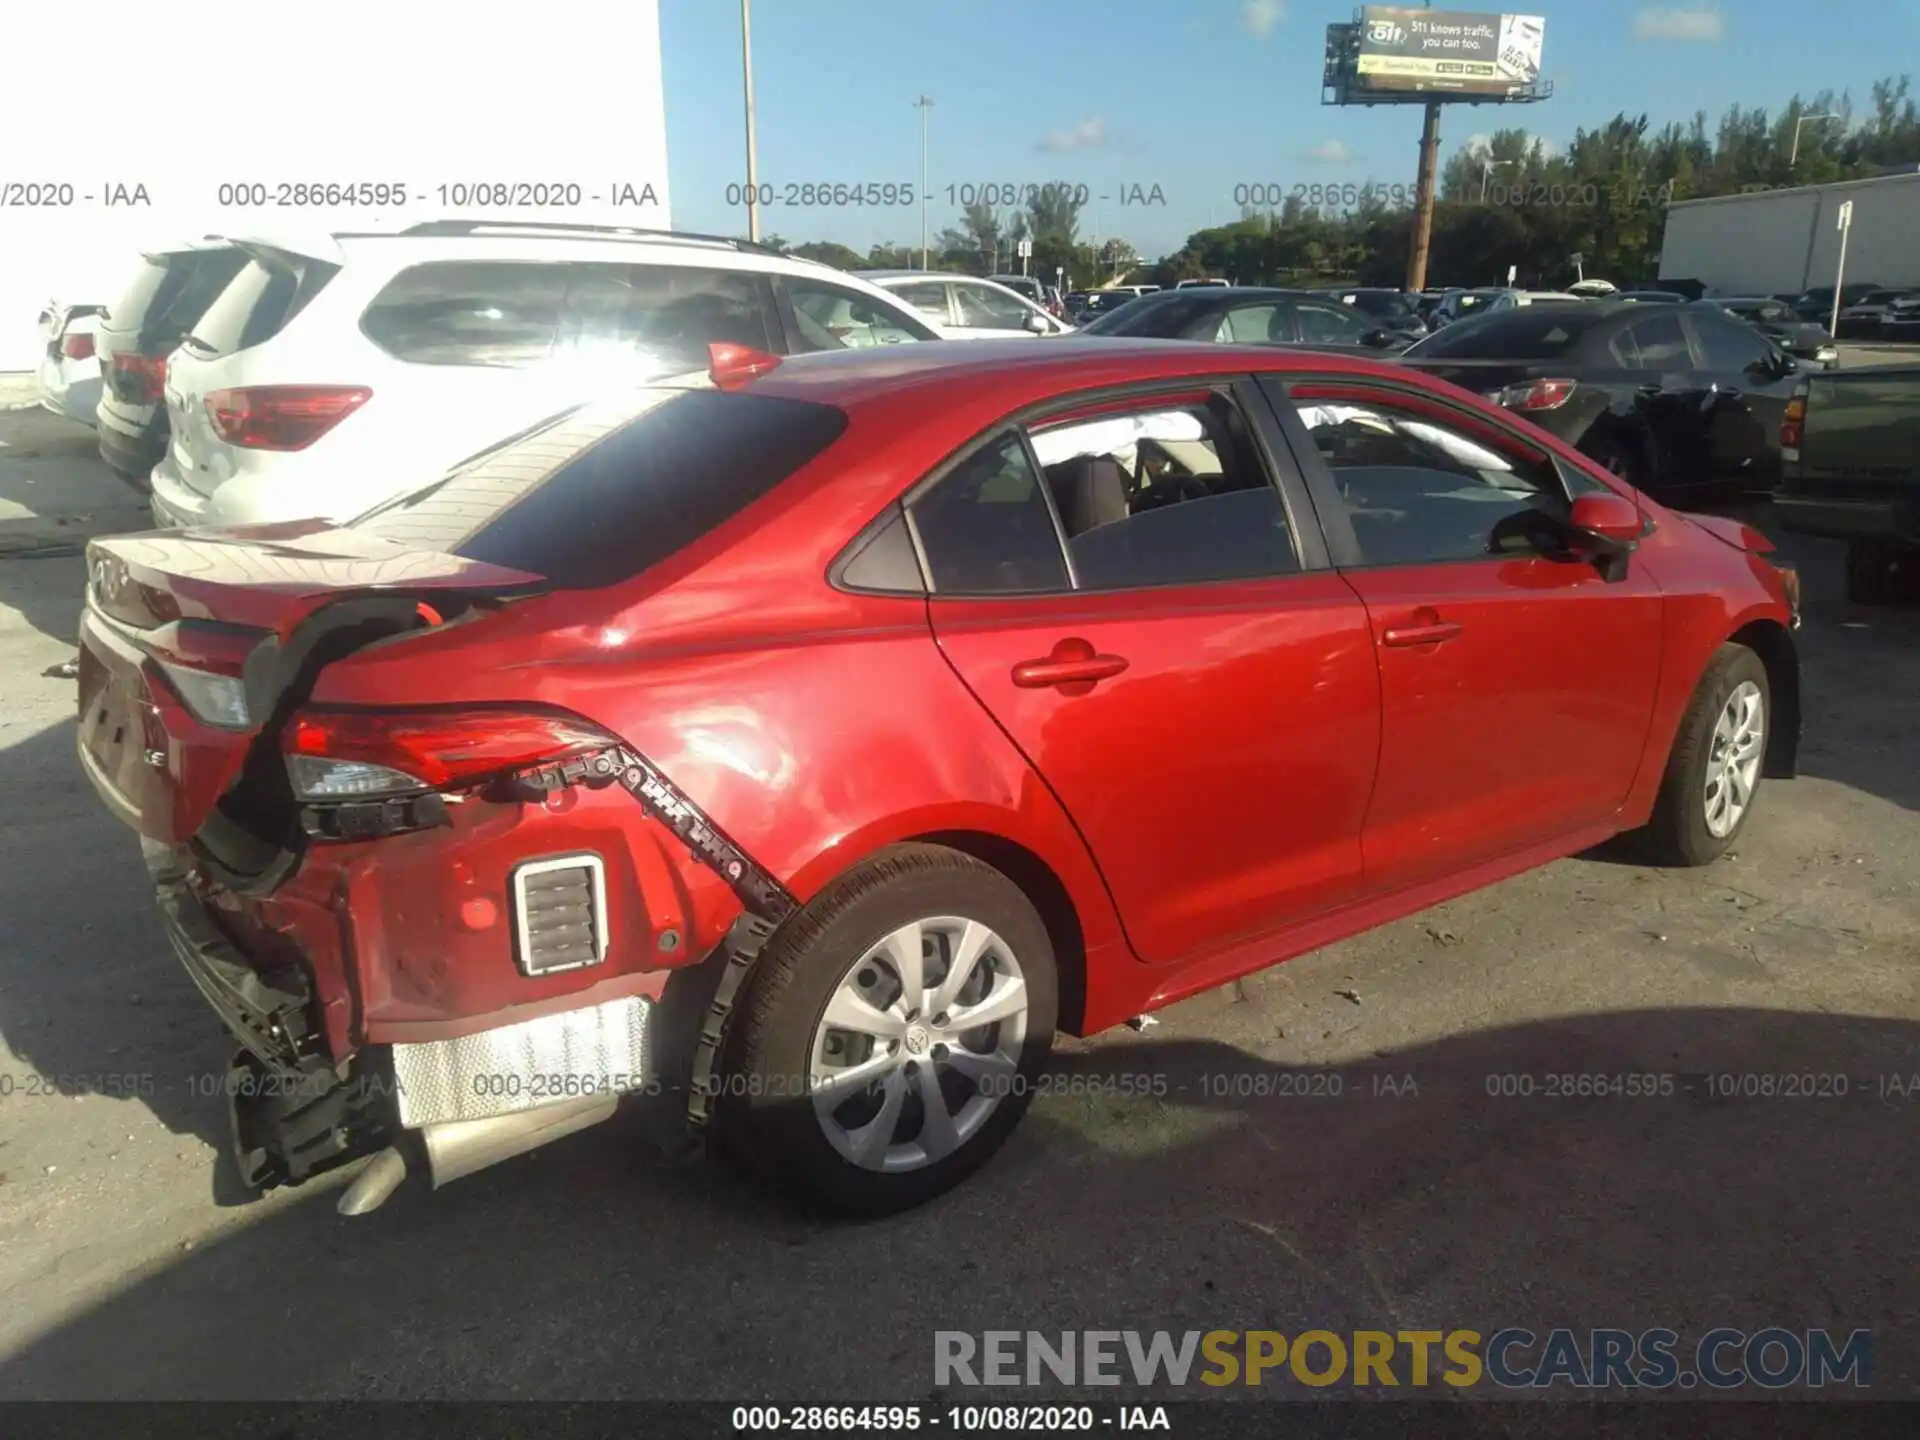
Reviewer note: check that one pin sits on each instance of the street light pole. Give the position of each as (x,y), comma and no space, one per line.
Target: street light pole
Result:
(1794,157)
(1487,167)
(923,104)
(753,159)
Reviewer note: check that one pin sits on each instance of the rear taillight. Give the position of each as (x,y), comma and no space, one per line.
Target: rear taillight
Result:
(77,347)
(205,665)
(214,699)
(1535,395)
(282,417)
(139,377)
(361,754)
(1793,424)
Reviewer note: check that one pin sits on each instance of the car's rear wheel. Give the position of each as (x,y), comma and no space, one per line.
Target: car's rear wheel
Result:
(1878,574)
(1714,772)
(891,1037)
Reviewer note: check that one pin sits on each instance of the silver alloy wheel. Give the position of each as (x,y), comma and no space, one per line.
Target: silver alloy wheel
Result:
(919,1043)
(1733,759)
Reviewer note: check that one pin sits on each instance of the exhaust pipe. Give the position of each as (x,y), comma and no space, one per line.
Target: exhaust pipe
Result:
(457,1148)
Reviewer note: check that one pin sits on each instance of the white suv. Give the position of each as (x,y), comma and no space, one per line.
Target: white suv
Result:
(334,373)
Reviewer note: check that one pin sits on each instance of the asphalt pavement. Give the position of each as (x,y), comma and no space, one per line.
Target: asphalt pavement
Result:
(1342,1142)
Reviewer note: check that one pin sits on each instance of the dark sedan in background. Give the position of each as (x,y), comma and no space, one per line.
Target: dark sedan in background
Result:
(1680,400)
(1389,309)
(1803,339)
(1249,315)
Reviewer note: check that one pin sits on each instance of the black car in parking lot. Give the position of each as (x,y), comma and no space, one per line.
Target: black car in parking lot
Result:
(1817,304)
(1249,315)
(1802,339)
(1390,309)
(1679,399)
(136,334)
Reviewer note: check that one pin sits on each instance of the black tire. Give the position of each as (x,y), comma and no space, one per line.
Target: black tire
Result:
(1678,834)
(765,1117)
(1876,574)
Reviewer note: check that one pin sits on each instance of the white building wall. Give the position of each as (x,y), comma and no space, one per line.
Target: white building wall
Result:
(1776,241)
(200,94)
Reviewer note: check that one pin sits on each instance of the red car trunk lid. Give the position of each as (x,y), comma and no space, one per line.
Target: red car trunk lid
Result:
(214,603)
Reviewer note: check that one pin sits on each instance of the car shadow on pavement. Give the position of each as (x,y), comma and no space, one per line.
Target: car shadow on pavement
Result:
(1178,1185)
(91,1000)
(1860,681)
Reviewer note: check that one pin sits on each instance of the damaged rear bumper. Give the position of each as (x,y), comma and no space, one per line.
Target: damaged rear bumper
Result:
(449,1107)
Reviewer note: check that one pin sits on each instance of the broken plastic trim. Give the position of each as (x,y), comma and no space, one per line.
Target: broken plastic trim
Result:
(764,896)
(767,901)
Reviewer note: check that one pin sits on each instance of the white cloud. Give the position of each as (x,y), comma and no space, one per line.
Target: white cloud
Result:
(1330,152)
(1675,22)
(1477,144)
(1260,18)
(1545,149)
(1084,136)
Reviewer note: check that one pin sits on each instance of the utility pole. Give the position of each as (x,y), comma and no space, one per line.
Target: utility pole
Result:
(923,104)
(1423,199)
(753,160)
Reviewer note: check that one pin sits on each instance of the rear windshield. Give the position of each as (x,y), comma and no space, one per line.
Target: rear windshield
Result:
(510,314)
(171,291)
(612,489)
(1163,314)
(262,298)
(1534,332)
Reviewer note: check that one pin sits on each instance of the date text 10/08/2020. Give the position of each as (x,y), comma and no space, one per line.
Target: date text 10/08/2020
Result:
(453,194)
(995,194)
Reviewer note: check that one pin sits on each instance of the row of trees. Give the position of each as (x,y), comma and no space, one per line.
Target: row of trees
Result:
(1512,200)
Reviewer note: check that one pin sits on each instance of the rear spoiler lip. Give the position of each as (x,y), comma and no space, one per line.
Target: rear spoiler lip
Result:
(268,249)
(280,605)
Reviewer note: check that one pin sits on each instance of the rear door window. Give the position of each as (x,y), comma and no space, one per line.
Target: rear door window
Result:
(1326,325)
(469,313)
(983,308)
(609,490)
(830,317)
(1656,343)
(662,318)
(987,528)
(268,292)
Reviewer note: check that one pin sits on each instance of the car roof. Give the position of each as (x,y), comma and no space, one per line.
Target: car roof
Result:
(1019,371)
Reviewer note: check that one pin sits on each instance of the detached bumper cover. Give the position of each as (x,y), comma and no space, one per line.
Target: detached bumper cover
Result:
(267,1011)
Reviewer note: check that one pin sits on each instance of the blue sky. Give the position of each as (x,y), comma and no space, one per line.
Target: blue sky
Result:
(1195,96)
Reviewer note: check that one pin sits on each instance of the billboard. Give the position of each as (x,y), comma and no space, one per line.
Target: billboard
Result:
(1415,51)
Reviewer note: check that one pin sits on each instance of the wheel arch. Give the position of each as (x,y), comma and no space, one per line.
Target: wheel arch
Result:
(1774,644)
(1048,894)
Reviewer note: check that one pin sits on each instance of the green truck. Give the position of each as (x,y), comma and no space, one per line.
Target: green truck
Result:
(1850,470)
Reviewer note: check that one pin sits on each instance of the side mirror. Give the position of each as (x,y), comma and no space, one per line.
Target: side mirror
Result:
(1377,339)
(1037,325)
(1612,518)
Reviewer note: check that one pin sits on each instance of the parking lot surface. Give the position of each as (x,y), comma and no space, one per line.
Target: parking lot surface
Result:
(1416,1186)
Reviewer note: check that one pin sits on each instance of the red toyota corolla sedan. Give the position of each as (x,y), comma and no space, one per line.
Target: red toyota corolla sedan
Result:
(812,739)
